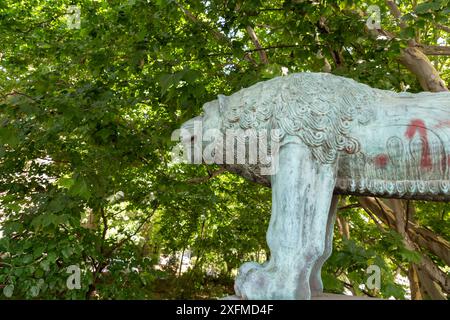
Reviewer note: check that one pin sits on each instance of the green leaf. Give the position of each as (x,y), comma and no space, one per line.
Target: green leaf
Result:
(26,259)
(56,205)
(166,80)
(45,265)
(424,7)
(65,182)
(9,136)
(48,219)
(410,256)
(191,75)
(332,284)
(80,188)
(408,33)
(52,257)
(67,252)
(39,273)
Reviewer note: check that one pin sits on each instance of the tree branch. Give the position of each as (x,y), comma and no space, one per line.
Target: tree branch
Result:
(343,226)
(396,13)
(257,44)
(15,92)
(105,228)
(416,61)
(435,50)
(419,235)
(210,176)
(336,54)
(350,206)
(216,34)
(144,221)
(387,215)
(419,64)
(442,27)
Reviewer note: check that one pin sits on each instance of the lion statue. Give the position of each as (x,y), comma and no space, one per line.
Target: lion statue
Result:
(322,135)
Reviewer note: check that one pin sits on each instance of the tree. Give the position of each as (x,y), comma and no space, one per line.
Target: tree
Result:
(86,117)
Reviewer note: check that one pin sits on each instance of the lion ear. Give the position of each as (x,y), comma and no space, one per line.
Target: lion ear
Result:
(222,102)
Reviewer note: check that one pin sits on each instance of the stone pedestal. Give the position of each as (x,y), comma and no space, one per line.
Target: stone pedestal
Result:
(333,296)
(324,296)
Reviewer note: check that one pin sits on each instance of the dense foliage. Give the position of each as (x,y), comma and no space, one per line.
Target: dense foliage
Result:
(86,118)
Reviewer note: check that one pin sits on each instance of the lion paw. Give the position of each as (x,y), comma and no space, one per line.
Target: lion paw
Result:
(256,282)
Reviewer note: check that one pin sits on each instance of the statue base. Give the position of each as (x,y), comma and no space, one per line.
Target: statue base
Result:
(324,296)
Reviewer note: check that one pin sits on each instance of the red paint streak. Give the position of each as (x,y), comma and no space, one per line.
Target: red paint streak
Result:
(381,160)
(417,125)
(443,123)
(445,160)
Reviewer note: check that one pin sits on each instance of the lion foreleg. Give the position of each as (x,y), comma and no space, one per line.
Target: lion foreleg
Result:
(316,273)
(301,196)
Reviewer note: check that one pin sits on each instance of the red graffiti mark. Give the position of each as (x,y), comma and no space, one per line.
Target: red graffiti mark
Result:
(417,125)
(444,161)
(381,160)
(443,123)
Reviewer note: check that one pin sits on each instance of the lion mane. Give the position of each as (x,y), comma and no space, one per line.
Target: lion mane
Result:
(318,108)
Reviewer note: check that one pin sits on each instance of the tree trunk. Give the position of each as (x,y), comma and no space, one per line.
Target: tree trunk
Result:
(419,64)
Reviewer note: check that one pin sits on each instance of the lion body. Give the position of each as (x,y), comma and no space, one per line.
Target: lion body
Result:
(384,143)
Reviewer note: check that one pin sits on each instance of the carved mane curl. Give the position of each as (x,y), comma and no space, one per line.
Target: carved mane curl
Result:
(318,108)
